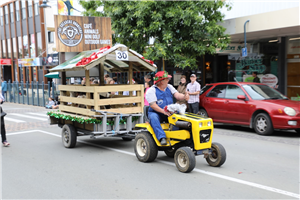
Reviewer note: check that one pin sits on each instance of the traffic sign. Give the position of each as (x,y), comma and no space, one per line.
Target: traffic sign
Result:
(244,52)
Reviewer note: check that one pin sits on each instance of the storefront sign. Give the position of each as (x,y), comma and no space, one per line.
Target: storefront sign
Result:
(28,62)
(269,79)
(233,48)
(5,61)
(77,34)
(51,60)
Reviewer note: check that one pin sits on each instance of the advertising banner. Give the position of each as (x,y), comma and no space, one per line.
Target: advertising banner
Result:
(5,61)
(77,33)
(51,60)
(29,62)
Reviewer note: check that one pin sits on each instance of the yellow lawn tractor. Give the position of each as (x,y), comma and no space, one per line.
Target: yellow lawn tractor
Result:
(193,138)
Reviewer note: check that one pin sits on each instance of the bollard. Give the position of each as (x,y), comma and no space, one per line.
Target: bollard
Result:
(22,90)
(53,88)
(18,92)
(48,89)
(37,95)
(27,85)
(43,88)
(9,90)
(32,92)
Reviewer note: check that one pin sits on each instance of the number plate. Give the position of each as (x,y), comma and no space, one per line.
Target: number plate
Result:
(121,55)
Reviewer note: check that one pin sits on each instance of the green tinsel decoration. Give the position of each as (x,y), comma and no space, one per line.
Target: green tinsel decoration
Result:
(87,121)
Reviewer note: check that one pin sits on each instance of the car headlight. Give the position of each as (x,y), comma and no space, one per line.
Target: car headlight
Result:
(289,111)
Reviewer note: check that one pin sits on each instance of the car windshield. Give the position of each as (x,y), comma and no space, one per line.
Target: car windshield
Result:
(263,92)
(205,88)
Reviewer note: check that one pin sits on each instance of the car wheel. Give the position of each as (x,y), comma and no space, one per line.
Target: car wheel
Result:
(202,112)
(263,124)
(145,147)
(185,159)
(69,136)
(297,130)
(217,156)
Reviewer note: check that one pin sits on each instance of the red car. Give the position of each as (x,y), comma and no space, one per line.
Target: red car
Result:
(252,104)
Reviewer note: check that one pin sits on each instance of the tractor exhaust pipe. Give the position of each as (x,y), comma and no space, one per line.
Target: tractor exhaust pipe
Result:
(183,124)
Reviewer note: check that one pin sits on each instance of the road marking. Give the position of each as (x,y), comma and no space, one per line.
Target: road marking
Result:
(263,187)
(39,114)
(14,120)
(27,116)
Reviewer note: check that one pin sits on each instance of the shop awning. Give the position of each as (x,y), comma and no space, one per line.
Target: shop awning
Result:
(108,57)
(52,75)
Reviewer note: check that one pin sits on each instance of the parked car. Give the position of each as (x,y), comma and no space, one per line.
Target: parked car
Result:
(252,104)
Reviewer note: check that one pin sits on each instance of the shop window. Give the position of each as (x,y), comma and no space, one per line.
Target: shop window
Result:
(3,48)
(20,47)
(23,9)
(6,14)
(8,49)
(12,13)
(50,37)
(36,8)
(25,46)
(17,11)
(32,45)
(39,43)
(1,17)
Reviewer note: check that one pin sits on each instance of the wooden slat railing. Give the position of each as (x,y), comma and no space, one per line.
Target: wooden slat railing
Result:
(118,103)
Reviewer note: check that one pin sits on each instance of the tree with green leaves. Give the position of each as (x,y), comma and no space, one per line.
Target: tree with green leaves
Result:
(182,30)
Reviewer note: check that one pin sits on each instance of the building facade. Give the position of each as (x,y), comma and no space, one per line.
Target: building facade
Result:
(23,36)
(273,47)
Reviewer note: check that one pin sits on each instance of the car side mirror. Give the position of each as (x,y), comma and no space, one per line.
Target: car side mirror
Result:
(241,97)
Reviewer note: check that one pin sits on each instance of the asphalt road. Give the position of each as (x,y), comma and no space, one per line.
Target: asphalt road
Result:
(37,166)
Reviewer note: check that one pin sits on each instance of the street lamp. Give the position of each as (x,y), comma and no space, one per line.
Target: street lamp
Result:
(44,4)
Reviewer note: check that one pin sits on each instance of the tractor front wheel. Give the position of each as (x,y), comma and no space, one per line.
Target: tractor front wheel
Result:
(185,159)
(217,156)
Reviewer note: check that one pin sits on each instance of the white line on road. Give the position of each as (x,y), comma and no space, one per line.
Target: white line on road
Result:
(263,187)
(13,120)
(27,116)
(39,114)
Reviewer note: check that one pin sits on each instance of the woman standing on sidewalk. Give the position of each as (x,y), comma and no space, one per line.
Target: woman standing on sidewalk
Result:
(2,126)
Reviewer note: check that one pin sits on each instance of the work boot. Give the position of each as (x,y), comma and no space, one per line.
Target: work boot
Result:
(163,141)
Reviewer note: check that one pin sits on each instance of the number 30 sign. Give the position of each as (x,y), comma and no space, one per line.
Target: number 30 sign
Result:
(121,55)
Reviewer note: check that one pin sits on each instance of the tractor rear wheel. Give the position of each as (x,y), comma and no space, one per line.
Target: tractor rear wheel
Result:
(145,147)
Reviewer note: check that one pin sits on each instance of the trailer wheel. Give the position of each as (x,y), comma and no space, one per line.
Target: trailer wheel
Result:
(217,156)
(126,138)
(185,159)
(69,136)
(144,147)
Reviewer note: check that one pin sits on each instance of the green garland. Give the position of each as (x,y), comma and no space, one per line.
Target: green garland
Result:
(87,121)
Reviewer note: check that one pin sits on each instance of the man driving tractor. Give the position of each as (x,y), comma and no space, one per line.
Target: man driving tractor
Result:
(159,96)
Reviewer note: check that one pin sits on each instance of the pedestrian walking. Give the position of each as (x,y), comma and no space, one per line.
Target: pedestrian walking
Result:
(193,89)
(2,125)
(256,79)
(3,87)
